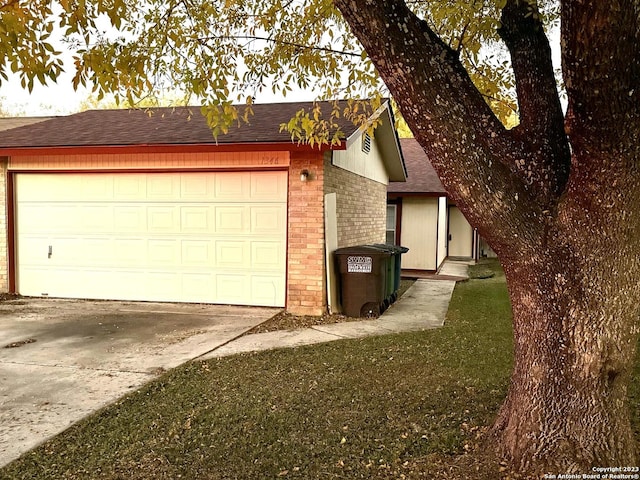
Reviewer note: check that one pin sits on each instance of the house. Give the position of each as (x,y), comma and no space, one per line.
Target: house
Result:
(421,217)
(147,205)
(7,123)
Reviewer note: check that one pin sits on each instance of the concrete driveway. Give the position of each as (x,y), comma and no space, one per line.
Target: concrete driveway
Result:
(63,359)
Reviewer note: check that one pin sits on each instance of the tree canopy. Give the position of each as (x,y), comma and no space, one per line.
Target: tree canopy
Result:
(224,52)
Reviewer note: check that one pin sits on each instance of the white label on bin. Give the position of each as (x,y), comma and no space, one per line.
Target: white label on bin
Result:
(359,264)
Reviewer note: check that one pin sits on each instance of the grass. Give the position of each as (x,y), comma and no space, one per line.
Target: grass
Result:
(482,270)
(379,407)
(396,406)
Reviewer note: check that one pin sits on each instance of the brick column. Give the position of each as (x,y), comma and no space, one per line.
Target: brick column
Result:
(306,292)
(4,259)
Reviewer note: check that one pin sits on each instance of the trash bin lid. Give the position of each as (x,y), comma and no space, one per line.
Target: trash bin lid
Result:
(362,250)
(394,249)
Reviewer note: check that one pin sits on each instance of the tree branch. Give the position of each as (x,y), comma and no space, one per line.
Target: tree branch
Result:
(601,62)
(469,148)
(280,42)
(541,118)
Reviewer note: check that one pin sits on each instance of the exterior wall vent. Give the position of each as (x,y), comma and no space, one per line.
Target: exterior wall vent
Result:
(366,143)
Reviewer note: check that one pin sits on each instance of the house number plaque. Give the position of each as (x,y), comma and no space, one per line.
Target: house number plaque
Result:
(359,264)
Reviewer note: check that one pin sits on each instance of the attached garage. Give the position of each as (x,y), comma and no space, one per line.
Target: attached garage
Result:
(149,206)
(211,237)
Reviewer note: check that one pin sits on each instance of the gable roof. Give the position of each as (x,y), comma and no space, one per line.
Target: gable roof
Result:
(161,126)
(421,177)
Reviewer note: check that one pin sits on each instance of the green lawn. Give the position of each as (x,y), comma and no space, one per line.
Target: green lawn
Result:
(379,407)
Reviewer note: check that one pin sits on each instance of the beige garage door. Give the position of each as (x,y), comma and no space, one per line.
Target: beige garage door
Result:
(183,237)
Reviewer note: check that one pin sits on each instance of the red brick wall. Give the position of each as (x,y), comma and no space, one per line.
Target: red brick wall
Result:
(361,206)
(306,292)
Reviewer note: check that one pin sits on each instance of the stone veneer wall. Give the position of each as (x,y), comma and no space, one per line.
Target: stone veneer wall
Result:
(361,206)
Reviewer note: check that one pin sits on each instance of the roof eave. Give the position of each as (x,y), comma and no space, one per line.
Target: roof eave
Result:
(389,144)
(386,137)
(168,148)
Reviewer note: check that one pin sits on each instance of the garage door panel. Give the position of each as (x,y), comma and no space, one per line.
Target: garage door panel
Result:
(268,219)
(193,237)
(67,282)
(199,253)
(197,286)
(266,288)
(35,280)
(96,218)
(33,250)
(62,218)
(196,219)
(232,187)
(163,187)
(267,255)
(163,252)
(64,251)
(231,288)
(162,285)
(129,187)
(231,220)
(43,217)
(40,189)
(126,284)
(129,219)
(268,186)
(198,188)
(130,251)
(94,188)
(32,218)
(232,254)
(91,282)
(88,251)
(163,220)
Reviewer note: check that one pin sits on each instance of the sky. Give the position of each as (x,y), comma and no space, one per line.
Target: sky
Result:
(61,99)
(56,99)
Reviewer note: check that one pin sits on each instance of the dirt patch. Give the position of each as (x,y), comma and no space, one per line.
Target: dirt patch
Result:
(4,297)
(20,343)
(287,321)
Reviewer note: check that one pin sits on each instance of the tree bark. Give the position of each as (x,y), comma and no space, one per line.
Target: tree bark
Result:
(576,304)
(565,221)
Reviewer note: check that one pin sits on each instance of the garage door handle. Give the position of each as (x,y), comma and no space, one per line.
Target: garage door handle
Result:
(50,251)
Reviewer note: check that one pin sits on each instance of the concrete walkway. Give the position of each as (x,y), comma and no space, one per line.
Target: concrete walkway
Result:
(423,306)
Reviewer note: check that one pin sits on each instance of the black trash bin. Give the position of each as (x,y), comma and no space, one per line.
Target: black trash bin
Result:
(395,267)
(390,287)
(363,276)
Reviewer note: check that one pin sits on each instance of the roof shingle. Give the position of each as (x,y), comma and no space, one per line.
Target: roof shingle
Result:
(159,126)
(421,177)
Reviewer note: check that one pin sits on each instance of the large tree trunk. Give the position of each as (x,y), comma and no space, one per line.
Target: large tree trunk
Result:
(566,410)
(565,222)
(576,305)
